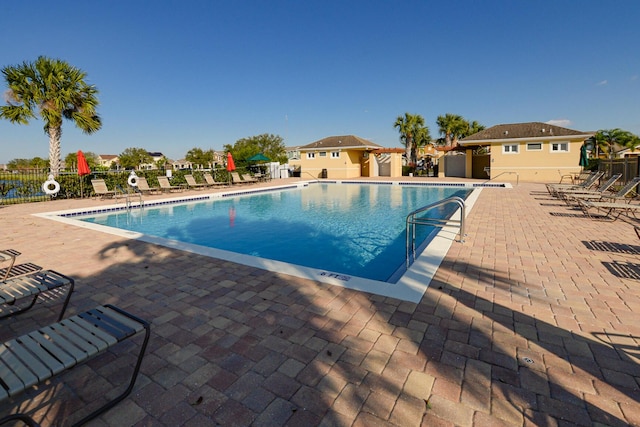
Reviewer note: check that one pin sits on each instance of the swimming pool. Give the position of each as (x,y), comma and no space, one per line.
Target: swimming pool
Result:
(342,233)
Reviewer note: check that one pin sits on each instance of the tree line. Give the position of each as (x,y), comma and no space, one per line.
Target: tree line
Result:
(271,146)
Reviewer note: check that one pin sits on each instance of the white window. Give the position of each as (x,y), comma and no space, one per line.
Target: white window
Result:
(534,146)
(323,154)
(560,147)
(510,148)
(311,155)
(335,154)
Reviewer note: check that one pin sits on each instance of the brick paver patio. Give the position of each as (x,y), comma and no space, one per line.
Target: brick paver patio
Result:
(532,321)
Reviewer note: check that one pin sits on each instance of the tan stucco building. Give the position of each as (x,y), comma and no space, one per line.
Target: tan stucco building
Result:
(348,156)
(533,152)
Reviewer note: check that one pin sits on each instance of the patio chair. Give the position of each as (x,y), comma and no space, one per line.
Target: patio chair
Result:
(13,269)
(573,177)
(165,185)
(571,195)
(100,189)
(19,294)
(235,178)
(611,210)
(249,179)
(212,182)
(8,255)
(36,357)
(553,189)
(191,183)
(623,193)
(143,186)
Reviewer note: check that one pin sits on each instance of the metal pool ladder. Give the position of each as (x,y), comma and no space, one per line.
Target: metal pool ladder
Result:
(413,220)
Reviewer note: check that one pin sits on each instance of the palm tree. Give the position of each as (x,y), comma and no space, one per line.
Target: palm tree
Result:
(607,138)
(473,127)
(409,127)
(451,126)
(632,143)
(56,91)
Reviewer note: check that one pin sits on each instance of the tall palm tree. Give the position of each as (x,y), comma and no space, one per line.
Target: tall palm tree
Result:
(409,126)
(607,138)
(56,91)
(451,126)
(473,127)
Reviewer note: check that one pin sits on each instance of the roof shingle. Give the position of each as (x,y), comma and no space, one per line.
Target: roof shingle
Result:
(522,130)
(344,141)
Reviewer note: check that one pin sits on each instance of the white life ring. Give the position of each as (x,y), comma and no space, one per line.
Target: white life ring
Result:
(46,187)
(133,180)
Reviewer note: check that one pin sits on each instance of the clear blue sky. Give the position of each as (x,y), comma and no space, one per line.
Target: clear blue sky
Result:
(174,75)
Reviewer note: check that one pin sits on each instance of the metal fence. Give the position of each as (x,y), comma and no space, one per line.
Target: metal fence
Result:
(25,186)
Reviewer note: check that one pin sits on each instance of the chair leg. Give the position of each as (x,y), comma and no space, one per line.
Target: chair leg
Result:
(132,382)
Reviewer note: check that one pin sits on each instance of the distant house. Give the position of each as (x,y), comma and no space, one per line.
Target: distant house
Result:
(347,156)
(107,160)
(181,164)
(156,156)
(534,151)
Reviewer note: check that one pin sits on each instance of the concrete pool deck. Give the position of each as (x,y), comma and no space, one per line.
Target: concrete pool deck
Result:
(532,321)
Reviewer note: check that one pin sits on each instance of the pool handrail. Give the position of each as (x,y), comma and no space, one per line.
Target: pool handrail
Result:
(412,220)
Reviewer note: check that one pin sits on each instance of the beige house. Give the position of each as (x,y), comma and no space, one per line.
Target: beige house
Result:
(533,152)
(347,156)
(107,160)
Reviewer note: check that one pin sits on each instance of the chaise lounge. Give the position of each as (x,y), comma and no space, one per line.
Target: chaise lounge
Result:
(612,210)
(165,185)
(553,189)
(13,269)
(38,356)
(19,294)
(143,186)
(191,182)
(100,189)
(571,195)
(212,182)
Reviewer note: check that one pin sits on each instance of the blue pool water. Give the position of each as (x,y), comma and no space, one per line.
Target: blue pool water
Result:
(351,229)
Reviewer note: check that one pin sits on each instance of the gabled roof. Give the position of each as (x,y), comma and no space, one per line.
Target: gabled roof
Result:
(344,141)
(107,156)
(528,131)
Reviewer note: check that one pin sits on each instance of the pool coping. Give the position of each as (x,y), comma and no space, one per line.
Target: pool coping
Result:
(410,287)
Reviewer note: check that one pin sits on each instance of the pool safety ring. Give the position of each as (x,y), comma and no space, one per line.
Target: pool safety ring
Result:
(46,187)
(133,180)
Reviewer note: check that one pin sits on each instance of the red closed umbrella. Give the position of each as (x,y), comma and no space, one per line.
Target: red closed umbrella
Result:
(83,166)
(83,169)
(231,166)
